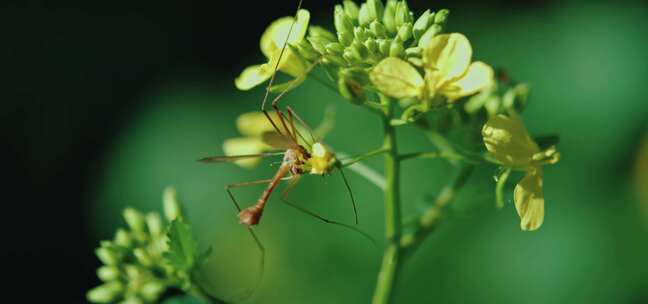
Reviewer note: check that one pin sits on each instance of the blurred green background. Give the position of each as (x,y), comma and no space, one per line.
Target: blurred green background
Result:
(585,62)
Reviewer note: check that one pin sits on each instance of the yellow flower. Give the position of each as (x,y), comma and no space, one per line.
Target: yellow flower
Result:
(449,72)
(254,126)
(272,42)
(506,138)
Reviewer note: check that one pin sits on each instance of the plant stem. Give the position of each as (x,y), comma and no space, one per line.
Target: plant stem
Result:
(390,267)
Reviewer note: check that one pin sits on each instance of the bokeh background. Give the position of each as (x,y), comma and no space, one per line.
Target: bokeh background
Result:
(106,103)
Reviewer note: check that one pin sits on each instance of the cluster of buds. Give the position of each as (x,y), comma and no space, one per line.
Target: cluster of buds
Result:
(134,269)
(366,35)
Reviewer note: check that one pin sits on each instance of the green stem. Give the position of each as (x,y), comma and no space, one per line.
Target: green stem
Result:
(431,217)
(390,268)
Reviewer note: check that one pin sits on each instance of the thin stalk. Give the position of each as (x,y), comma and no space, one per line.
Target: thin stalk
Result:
(390,268)
(364,156)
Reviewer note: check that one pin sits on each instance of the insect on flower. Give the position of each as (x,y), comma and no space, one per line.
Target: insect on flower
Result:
(301,156)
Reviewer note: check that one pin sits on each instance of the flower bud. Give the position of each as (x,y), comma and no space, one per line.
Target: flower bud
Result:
(345,38)
(122,238)
(359,51)
(441,16)
(405,32)
(360,34)
(422,23)
(132,300)
(414,52)
(105,293)
(349,57)
(429,34)
(318,43)
(334,48)
(396,48)
(342,23)
(108,273)
(351,9)
(378,29)
(154,224)
(335,59)
(107,254)
(402,14)
(143,257)
(171,204)
(371,45)
(389,16)
(151,290)
(364,17)
(134,219)
(306,50)
(384,45)
(375,9)
(322,33)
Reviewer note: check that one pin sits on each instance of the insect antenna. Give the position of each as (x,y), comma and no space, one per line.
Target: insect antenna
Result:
(348,187)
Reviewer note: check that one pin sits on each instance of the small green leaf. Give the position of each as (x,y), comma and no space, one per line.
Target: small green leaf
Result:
(182,245)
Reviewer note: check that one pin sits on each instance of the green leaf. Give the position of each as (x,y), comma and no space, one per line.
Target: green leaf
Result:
(182,245)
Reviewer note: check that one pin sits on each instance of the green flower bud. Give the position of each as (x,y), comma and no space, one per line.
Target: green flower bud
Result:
(359,51)
(414,52)
(335,59)
(415,61)
(378,29)
(342,23)
(441,16)
(402,14)
(375,9)
(143,257)
(345,38)
(384,45)
(334,48)
(396,48)
(122,238)
(318,43)
(108,273)
(405,32)
(360,34)
(389,16)
(348,56)
(105,293)
(351,9)
(372,45)
(134,219)
(171,204)
(133,272)
(364,17)
(108,255)
(151,290)
(307,51)
(154,224)
(351,83)
(322,33)
(429,34)
(422,23)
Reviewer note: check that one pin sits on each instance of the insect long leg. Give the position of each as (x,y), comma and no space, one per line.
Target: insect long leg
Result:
(348,187)
(284,199)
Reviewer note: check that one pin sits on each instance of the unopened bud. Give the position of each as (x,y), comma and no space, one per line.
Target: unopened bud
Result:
(334,48)
(422,23)
(345,38)
(414,52)
(108,273)
(359,51)
(351,9)
(429,34)
(151,290)
(389,16)
(134,219)
(143,257)
(171,204)
(351,84)
(441,17)
(384,45)
(107,254)
(371,45)
(396,48)
(122,238)
(342,23)
(360,34)
(105,293)
(335,59)
(405,32)
(318,44)
(322,33)
(402,14)
(306,50)
(364,17)
(378,29)
(375,9)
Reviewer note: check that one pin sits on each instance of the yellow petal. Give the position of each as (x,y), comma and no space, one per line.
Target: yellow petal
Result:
(448,55)
(252,76)
(254,124)
(478,77)
(321,159)
(529,200)
(396,78)
(508,140)
(275,35)
(291,63)
(244,146)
